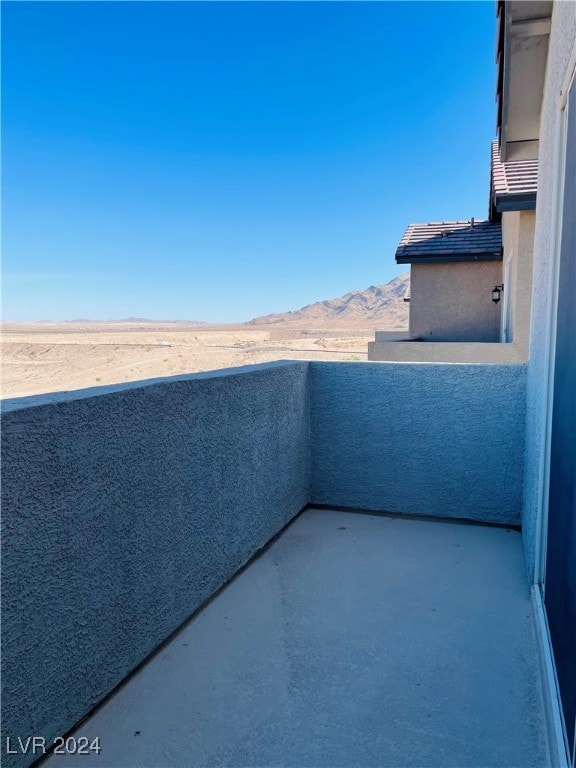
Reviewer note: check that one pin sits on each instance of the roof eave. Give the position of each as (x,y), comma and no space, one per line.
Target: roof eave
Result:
(522,202)
(522,55)
(448,259)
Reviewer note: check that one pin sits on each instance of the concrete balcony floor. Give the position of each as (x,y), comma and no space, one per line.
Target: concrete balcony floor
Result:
(353,640)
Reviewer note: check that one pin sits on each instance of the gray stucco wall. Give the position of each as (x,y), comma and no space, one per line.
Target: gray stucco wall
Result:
(562,35)
(452,302)
(124,508)
(442,440)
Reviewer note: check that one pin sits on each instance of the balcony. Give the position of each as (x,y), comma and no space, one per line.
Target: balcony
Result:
(389,623)
(354,640)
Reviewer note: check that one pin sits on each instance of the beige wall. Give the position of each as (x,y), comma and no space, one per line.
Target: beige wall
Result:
(452,302)
(445,352)
(518,243)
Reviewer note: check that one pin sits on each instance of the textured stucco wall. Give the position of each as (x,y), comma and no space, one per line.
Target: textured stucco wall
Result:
(446,351)
(123,509)
(518,242)
(562,36)
(441,440)
(452,302)
(510,242)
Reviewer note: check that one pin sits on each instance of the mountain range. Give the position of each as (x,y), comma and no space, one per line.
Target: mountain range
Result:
(135,321)
(379,306)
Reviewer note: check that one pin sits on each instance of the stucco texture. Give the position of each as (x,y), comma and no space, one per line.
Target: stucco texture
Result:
(124,508)
(562,36)
(452,302)
(441,440)
(518,240)
(445,351)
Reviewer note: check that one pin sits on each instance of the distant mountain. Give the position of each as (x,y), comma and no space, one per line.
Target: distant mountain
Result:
(137,320)
(152,320)
(379,306)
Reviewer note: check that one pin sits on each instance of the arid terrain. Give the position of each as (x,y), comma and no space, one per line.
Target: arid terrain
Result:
(48,358)
(51,357)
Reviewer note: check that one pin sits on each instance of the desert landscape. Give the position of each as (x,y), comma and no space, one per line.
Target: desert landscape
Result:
(50,357)
(69,356)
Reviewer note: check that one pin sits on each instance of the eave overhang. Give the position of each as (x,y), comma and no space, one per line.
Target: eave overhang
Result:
(521,55)
(513,185)
(449,258)
(450,242)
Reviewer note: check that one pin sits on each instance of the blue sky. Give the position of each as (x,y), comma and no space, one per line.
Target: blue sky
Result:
(216,161)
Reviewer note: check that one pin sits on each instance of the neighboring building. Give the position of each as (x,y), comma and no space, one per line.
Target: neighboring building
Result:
(513,187)
(454,267)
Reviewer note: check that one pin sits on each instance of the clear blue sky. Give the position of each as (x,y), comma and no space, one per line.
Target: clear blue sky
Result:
(217,161)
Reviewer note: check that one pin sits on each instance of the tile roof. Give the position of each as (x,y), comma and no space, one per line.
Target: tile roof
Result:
(448,241)
(513,184)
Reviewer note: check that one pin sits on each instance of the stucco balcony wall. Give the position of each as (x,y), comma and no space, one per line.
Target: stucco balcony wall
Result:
(432,439)
(405,351)
(126,507)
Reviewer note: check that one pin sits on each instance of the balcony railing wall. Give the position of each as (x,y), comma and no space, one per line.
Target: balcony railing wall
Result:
(123,512)
(432,439)
(126,507)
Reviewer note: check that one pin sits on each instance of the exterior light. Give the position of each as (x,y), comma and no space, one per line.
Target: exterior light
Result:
(496,291)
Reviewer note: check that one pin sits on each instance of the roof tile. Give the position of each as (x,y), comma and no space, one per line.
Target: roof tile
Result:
(451,241)
(514,183)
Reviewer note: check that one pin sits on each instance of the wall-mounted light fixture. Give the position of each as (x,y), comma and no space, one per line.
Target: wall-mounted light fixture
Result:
(496,291)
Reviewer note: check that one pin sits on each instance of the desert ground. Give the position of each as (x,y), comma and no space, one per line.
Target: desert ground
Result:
(52,357)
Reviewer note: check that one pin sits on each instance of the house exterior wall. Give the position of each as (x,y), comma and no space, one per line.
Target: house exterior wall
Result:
(518,244)
(440,440)
(444,351)
(124,508)
(562,36)
(451,302)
